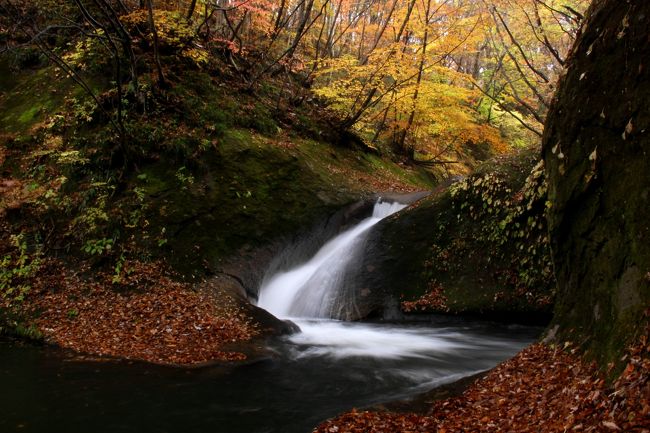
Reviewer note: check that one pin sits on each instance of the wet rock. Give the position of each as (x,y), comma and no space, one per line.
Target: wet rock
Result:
(481,250)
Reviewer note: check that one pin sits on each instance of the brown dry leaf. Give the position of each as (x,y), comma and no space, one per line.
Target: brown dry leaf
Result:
(612,426)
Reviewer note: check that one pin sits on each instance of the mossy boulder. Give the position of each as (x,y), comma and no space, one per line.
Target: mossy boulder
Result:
(249,196)
(596,148)
(476,247)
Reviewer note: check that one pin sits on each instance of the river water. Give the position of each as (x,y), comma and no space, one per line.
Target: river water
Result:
(314,288)
(327,368)
(309,380)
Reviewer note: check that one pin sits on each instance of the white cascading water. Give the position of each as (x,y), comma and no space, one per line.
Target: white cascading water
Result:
(310,289)
(308,293)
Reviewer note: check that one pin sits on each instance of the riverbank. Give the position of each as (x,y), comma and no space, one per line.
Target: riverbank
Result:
(148,316)
(544,388)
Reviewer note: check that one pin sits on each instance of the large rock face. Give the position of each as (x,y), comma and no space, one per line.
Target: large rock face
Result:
(596,148)
(478,247)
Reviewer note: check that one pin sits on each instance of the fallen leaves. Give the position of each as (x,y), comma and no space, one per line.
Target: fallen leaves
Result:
(432,301)
(612,426)
(153,318)
(542,389)
(372,181)
(11,194)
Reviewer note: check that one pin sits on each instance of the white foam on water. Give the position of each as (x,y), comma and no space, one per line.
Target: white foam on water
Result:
(342,339)
(307,294)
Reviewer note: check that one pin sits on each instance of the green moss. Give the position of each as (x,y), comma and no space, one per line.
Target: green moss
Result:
(250,190)
(29,115)
(203,103)
(13,324)
(33,97)
(599,185)
(8,77)
(30,332)
(410,176)
(205,188)
(246,194)
(259,118)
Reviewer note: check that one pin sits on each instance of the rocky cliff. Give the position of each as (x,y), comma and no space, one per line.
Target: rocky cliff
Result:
(596,146)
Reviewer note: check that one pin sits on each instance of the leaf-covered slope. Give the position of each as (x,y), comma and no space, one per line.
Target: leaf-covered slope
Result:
(213,174)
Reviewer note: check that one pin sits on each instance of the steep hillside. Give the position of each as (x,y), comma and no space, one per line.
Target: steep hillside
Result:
(205,187)
(149,168)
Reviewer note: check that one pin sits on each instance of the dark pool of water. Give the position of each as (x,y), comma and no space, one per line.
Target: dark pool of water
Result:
(313,377)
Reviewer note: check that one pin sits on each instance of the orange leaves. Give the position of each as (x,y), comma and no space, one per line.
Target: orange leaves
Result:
(432,301)
(159,320)
(365,422)
(11,194)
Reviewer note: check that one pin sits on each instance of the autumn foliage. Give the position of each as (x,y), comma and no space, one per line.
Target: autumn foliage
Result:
(429,79)
(433,300)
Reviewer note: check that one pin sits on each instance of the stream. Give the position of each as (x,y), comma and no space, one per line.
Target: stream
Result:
(51,390)
(329,367)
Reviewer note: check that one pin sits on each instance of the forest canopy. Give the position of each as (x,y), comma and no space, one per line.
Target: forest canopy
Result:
(420,78)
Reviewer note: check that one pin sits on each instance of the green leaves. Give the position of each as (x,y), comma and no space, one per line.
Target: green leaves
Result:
(184,177)
(97,247)
(16,268)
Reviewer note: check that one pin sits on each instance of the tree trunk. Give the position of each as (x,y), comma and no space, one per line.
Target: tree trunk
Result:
(410,149)
(156,51)
(301,28)
(190,10)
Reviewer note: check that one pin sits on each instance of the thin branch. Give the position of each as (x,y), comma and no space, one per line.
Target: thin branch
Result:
(506,109)
(519,48)
(576,16)
(530,85)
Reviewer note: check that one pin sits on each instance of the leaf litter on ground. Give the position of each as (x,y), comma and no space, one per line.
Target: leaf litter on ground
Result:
(149,316)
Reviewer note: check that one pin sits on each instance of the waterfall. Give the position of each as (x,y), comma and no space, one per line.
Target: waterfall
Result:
(313,293)
(312,289)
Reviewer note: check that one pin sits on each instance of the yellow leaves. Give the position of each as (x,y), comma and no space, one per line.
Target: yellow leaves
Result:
(173,31)
(71,157)
(199,56)
(341,80)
